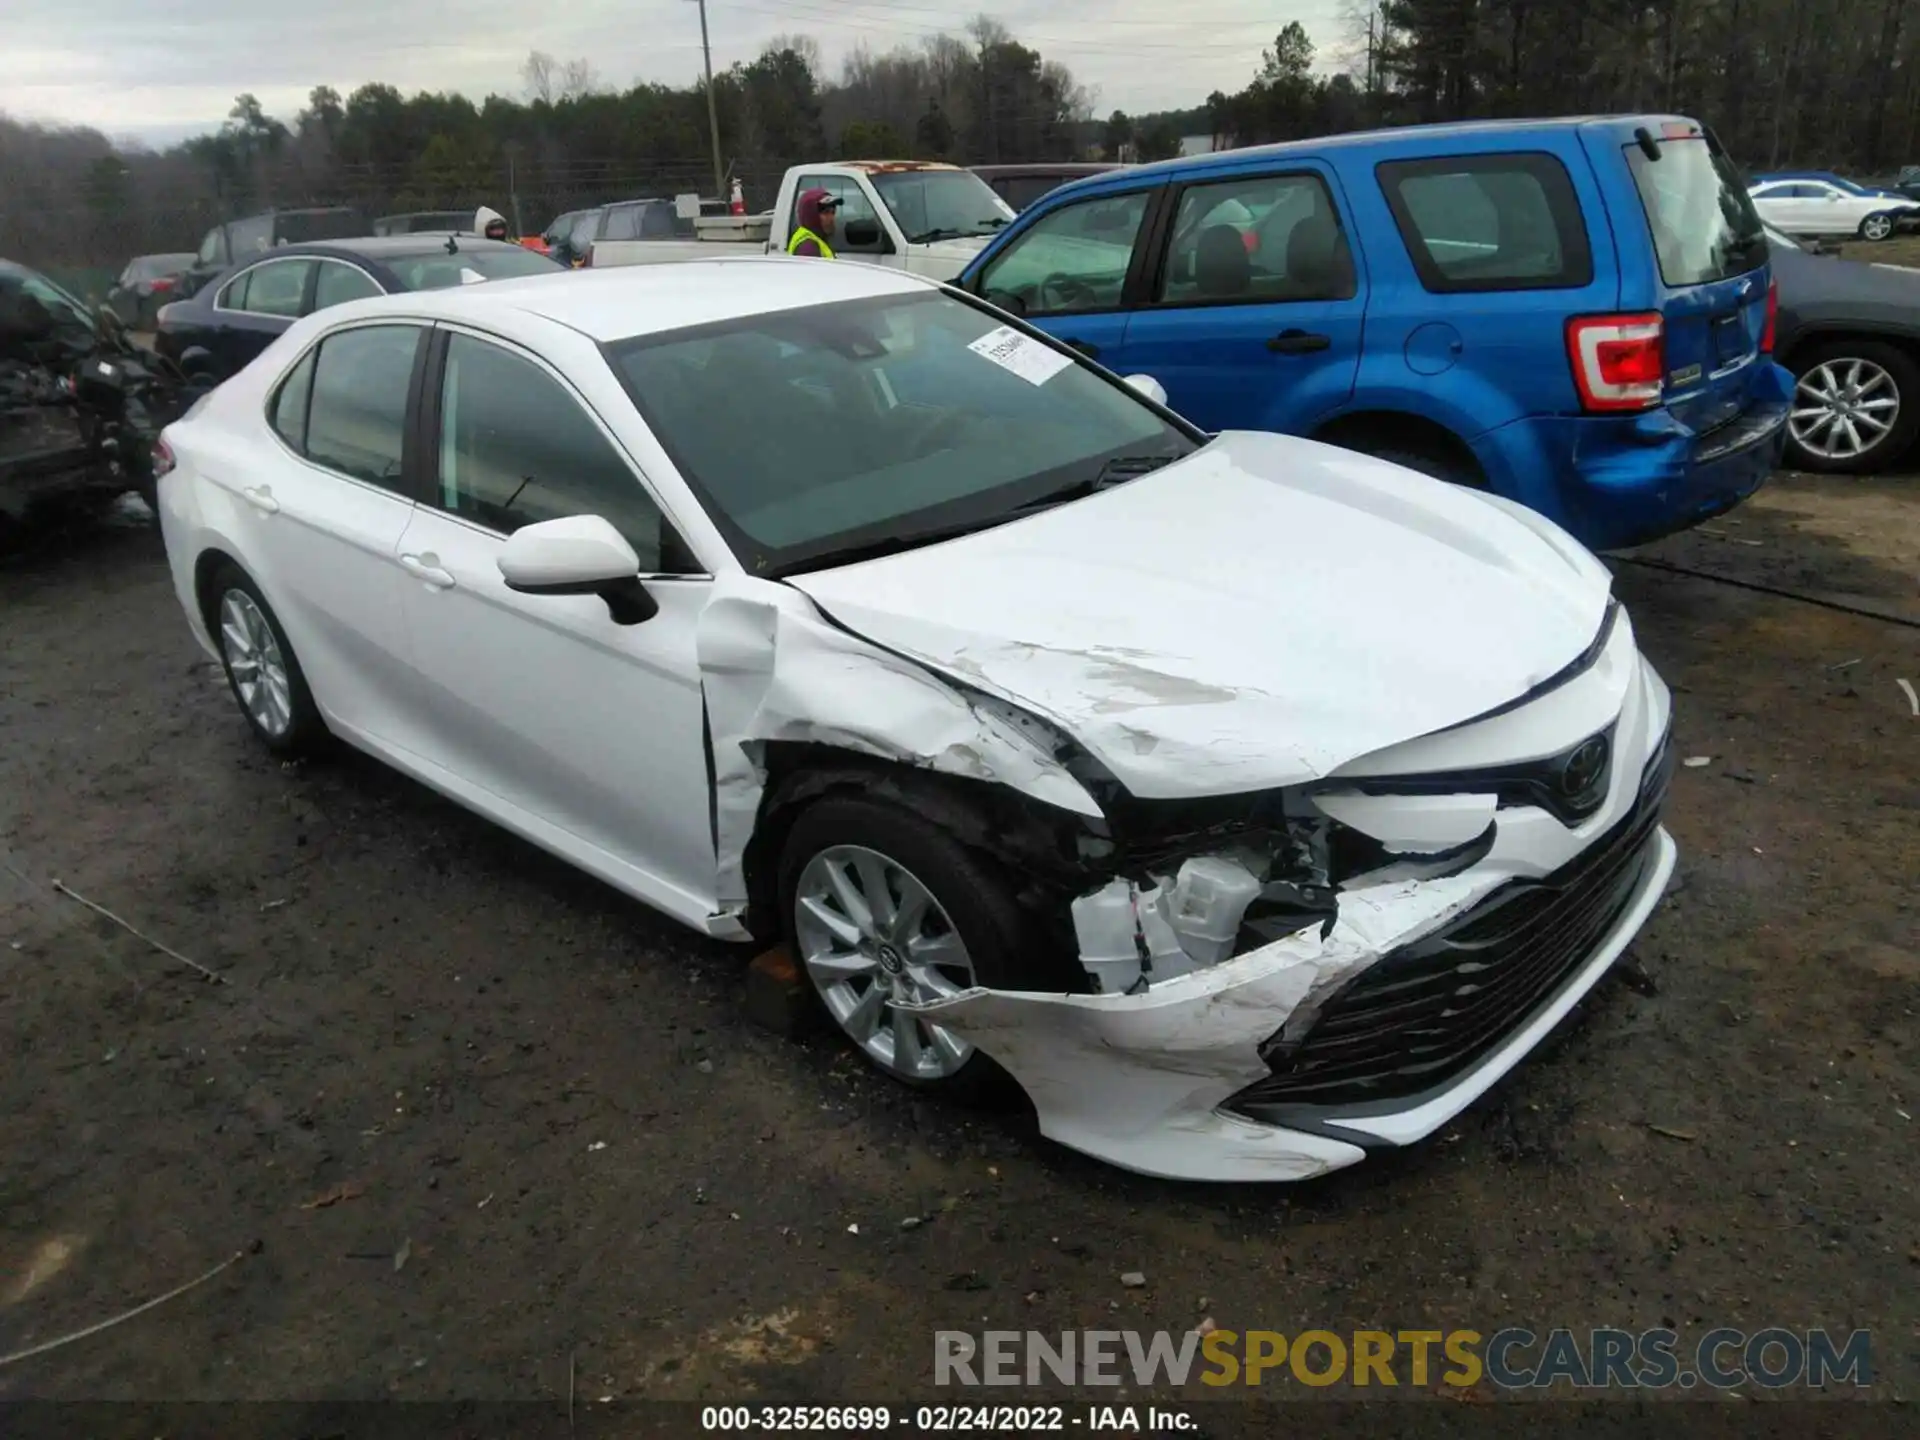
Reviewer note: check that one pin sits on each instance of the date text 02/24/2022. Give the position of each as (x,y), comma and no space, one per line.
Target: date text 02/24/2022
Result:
(943,1419)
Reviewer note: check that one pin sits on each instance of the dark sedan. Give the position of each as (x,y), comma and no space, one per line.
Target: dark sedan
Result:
(1850,333)
(145,285)
(240,313)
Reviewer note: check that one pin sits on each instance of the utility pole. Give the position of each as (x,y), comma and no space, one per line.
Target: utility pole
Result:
(1370,16)
(713,112)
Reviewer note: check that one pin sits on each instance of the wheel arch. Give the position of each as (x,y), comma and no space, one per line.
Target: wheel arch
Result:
(1811,336)
(1033,846)
(1403,430)
(208,564)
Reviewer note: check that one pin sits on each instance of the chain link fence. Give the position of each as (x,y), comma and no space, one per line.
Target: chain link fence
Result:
(84,244)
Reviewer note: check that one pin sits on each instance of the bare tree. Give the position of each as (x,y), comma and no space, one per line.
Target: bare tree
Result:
(577,78)
(537,74)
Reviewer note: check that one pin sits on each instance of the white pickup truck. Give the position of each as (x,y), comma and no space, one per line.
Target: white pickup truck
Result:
(914,215)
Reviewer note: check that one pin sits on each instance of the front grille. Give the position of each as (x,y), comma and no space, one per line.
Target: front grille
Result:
(1426,1013)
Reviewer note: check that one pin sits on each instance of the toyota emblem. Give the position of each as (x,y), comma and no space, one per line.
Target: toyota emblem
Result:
(1584,767)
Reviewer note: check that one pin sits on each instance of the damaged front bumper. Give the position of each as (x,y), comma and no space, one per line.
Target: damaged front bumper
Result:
(1297,1057)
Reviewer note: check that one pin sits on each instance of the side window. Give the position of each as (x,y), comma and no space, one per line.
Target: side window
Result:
(277,288)
(854,205)
(1257,239)
(288,413)
(1074,258)
(623,223)
(357,417)
(582,234)
(339,283)
(516,447)
(1489,222)
(233,295)
(212,252)
(250,237)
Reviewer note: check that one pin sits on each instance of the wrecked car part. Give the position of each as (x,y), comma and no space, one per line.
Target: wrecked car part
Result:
(1430,1009)
(774,671)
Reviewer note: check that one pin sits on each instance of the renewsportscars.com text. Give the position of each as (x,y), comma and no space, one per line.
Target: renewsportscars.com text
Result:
(1512,1359)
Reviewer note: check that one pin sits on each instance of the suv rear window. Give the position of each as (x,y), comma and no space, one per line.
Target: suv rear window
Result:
(1704,226)
(1489,222)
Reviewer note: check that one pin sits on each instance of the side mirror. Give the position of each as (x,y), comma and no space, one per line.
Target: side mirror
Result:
(578,555)
(862,232)
(1149,387)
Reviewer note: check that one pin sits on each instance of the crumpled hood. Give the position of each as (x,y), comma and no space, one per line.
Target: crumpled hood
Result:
(1255,615)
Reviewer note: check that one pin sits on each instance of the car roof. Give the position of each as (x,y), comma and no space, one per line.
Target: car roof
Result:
(1413,138)
(1063,167)
(381,248)
(625,301)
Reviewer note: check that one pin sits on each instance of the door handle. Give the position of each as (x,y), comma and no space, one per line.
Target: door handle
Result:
(261,498)
(1085,347)
(1298,342)
(421,567)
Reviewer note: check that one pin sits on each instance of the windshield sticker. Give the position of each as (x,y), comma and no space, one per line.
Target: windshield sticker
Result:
(1010,350)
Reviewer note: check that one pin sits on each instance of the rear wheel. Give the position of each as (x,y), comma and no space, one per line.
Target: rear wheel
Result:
(1856,407)
(1877,226)
(262,671)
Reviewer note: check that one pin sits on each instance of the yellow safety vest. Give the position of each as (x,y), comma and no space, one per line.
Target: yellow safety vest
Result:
(800,237)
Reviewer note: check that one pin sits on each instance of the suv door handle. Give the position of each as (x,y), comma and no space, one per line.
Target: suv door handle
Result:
(1298,342)
(261,498)
(1085,347)
(421,568)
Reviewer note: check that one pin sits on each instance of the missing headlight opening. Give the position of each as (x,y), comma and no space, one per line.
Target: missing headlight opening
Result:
(1198,883)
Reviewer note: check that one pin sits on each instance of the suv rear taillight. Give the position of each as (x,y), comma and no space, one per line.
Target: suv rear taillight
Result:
(163,461)
(1619,361)
(1773,313)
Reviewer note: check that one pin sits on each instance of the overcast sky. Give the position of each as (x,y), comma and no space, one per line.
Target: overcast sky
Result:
(163,69)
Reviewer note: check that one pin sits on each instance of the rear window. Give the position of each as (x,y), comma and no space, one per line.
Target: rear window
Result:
(1489,222)
(439,270)
(1703,223)
(298,228)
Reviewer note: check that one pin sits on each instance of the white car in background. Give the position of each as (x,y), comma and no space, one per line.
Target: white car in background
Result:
(1251,802)
(1817,208)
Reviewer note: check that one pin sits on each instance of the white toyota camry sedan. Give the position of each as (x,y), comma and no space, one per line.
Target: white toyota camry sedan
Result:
(1251,803)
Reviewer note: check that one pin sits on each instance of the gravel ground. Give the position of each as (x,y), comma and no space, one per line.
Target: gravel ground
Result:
(486,1120)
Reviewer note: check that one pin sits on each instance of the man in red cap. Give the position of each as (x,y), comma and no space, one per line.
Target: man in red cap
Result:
(815,217)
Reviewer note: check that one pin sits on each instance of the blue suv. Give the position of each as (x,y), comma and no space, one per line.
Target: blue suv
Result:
(1574,314)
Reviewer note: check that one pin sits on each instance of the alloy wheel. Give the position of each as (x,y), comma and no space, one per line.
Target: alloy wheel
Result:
(1842,408)
(1877,227)
(259,670)
(871,934)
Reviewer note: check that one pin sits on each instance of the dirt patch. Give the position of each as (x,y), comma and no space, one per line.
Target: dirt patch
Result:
(504,1061)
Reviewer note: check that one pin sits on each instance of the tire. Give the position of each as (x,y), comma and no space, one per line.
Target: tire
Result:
(1884,372)
(969,906)
(283,717)
(1425,462)
(1877,226)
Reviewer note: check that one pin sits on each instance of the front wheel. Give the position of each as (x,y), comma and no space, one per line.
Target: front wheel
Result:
(1877,226)
(882,906)
(1856,407)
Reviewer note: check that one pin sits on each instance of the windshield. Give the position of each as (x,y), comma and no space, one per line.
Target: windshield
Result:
(64,309)
(879,424)
(941,204)
(1703,223)
(438,270)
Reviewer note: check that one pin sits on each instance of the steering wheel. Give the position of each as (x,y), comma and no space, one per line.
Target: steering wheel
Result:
(1065,292)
